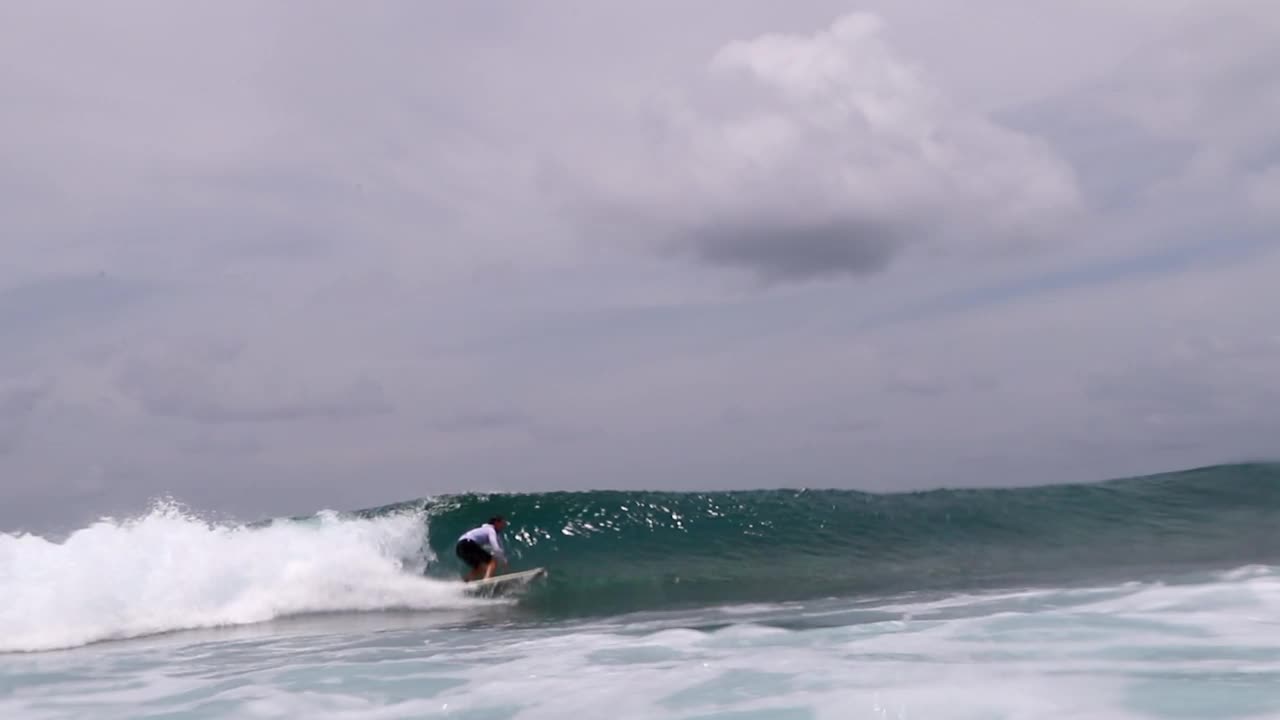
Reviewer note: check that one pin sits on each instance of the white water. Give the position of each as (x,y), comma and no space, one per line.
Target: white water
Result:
(169,570)
(1209,648)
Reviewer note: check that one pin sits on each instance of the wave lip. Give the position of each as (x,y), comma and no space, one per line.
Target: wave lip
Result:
(167,570)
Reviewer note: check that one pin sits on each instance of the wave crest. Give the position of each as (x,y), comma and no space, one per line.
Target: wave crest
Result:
(169,570)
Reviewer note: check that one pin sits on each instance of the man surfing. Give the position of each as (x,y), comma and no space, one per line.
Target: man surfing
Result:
(471,551)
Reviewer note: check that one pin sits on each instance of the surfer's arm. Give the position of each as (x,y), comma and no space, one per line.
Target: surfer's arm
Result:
(497,546)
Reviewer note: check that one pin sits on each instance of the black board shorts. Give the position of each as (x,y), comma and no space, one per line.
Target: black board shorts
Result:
(472,553)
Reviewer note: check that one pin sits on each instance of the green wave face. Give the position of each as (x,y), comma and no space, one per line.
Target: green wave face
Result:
(620,551)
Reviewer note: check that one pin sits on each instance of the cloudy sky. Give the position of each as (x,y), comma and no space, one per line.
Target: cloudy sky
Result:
(273,257)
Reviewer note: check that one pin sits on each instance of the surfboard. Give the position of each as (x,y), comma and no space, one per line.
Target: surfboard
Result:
(504,583)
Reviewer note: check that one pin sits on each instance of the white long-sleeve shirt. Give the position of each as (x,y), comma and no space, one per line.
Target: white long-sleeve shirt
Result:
(485,535)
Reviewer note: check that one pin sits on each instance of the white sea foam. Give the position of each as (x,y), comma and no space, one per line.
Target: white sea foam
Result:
(1206,648)
(169,570)
(1129,652)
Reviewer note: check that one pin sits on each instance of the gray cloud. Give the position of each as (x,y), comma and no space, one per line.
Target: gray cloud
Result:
(1116,160)
(782,249)
(271,258)
(63,303)
(1189,115)
(354,402)
(1264,192)
(218,445)
(18,404)
(481,422)
(206,388)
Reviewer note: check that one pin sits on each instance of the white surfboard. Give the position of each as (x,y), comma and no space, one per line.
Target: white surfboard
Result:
(504,583)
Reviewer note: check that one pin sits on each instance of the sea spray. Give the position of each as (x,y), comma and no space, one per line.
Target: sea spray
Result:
(168,570)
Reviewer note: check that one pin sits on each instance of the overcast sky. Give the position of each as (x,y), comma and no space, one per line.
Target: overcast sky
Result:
(273,257)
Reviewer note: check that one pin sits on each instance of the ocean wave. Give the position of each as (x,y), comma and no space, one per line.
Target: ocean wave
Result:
(616,551)
(619,551)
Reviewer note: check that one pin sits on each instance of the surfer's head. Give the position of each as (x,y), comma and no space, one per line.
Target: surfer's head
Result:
(498,522)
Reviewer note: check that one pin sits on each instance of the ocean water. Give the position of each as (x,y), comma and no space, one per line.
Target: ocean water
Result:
(1152,597)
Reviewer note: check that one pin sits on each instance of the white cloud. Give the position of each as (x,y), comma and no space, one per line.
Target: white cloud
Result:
(834,157)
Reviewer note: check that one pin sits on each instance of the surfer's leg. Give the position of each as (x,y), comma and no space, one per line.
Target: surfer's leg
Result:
(475,557)
(490,567)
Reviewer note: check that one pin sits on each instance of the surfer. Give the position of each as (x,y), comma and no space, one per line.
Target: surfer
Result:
(471,551)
